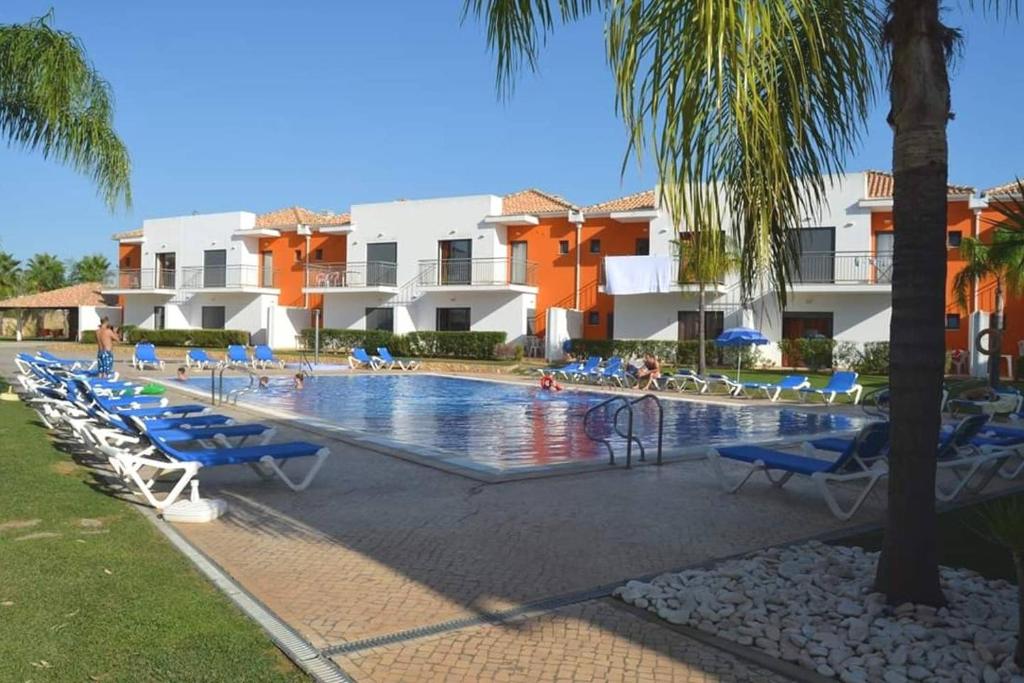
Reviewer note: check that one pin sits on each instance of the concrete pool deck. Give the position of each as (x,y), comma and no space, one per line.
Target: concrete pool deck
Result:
(403,572)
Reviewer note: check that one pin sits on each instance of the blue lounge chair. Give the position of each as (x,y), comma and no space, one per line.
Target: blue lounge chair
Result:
(587,370)
(713,380)
(69,363)
(200,359)
(773,391)
(264,357)
(842,382)
(265,459)
(384,353)
(613,371)
(683,378)
(565,371)
(237,355)
(145,354)
(361,359)
(862,461)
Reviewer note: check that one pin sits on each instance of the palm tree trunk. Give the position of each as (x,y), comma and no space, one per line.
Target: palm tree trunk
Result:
(919,94)
(701,331)
(995,340)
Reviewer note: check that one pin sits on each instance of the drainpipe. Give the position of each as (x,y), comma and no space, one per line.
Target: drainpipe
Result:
(576,218)
(305,229)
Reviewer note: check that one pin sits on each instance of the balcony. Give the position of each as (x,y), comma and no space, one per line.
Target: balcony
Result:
(352,276)
(148,280)
(233,278)
(677,286)
(833,271)
(478,274)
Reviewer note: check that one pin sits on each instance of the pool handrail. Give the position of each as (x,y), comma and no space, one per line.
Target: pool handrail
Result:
(629,435)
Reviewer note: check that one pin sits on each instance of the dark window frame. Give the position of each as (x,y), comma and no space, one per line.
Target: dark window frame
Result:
(377,310)
(593,318)
(953,318)
(443,314)
(595,245)
(223,315)
(563,247)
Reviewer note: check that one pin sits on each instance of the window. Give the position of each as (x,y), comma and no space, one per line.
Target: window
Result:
(595,246)
(453,320)
(318,255)
(380,319)
(952,321)
(954,238)
(593,318)
(643,246)
(531,322)
(381,258)
(298,255)
(563,247)
(815,254)
(159,317)
(215,268)
(714,324)
(213,317)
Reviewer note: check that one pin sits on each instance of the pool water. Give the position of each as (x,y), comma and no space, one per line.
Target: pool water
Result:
(505,427)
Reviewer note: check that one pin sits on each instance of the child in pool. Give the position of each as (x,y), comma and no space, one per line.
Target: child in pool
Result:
(182,375)
(264,382)
(300,379)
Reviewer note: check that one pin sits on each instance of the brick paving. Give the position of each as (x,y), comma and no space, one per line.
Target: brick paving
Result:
(593,641)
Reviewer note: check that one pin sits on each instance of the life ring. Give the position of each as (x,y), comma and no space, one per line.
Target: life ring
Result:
(987,332)
(547,383)
(153,389)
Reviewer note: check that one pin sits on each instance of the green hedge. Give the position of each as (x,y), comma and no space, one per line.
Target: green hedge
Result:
(206,338)
(814,354)
(469,345)
(869,358)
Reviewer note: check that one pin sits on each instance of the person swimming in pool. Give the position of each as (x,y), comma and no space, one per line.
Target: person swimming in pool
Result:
(299,380)
(264,383)
(182,375)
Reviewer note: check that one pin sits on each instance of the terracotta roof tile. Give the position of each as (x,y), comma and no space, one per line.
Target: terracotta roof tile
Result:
(127,234)
(880,185)
(532,201)
(632,202)
(296,215)
(85,294)
(1006,189)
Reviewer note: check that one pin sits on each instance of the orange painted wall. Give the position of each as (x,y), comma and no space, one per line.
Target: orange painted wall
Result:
(959,218)
(556,274)
(129,257)
(290,272)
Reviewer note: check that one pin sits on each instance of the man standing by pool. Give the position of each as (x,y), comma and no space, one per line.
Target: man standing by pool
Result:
(105,338)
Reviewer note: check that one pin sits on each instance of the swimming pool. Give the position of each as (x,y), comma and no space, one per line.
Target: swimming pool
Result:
(501,427)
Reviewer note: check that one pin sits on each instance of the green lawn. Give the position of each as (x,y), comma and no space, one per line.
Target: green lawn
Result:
(90,591)
(959,545)
(818,379)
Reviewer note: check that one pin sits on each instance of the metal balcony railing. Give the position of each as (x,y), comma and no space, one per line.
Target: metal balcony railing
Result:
(226,277)
(477,272)
(141,279)
(843,267)
(352,274)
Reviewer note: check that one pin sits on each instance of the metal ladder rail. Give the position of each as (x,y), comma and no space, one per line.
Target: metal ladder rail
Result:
(217,387)
(600,439)
(661,420)
(304,363)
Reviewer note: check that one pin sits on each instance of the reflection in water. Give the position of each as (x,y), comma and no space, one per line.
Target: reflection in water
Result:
(508,426)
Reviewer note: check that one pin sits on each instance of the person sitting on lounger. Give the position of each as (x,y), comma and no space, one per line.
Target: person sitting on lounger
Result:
(300,378)
(182,375)
(650,370)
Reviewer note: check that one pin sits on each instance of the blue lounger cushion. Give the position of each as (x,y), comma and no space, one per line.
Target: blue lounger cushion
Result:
(160,411)
(790,462)
(174,434)
(245,454)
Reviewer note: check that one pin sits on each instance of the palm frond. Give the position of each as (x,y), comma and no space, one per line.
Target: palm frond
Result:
(53,100)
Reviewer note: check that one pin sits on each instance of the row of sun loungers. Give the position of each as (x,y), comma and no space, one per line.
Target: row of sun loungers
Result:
(155,448)
(360,359)
(969,456)
(236,355)
(614,372)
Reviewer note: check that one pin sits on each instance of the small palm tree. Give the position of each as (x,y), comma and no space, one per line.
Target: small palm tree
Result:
(53,100)
(1002,522)
(91,268)
(1002,259)
(705,259)
(10,275)
(44,272)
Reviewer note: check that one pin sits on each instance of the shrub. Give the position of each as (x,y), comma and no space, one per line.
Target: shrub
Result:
(812,353)
(469,345)
(509,352)
(205,338)
(89,336)
(627,348)
(869,358)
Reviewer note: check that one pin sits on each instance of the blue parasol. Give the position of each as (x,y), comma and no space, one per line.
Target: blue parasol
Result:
(741,336)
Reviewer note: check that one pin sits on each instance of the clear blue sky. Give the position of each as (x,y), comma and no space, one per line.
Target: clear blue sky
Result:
(253,105)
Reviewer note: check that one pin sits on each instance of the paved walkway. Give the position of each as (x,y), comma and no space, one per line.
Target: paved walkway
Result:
(398,570)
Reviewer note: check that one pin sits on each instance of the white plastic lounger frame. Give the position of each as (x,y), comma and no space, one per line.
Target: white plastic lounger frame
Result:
(829,397)
(972,468)
(682,382)
(869,475)
(712,381)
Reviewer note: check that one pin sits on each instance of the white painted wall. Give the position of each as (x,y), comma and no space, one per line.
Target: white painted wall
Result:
(418,225)
(190,236)
(489,311)
(348,311)
(286,324)
(89,317)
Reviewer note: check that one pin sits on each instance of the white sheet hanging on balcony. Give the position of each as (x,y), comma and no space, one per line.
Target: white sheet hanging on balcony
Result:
(637,274)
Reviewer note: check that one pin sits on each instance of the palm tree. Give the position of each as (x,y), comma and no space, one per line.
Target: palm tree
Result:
(1002,522)
(44,272)
(705,259)
(53,100)
(10,275)
(744,105)
(91,268)
(1002,260)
